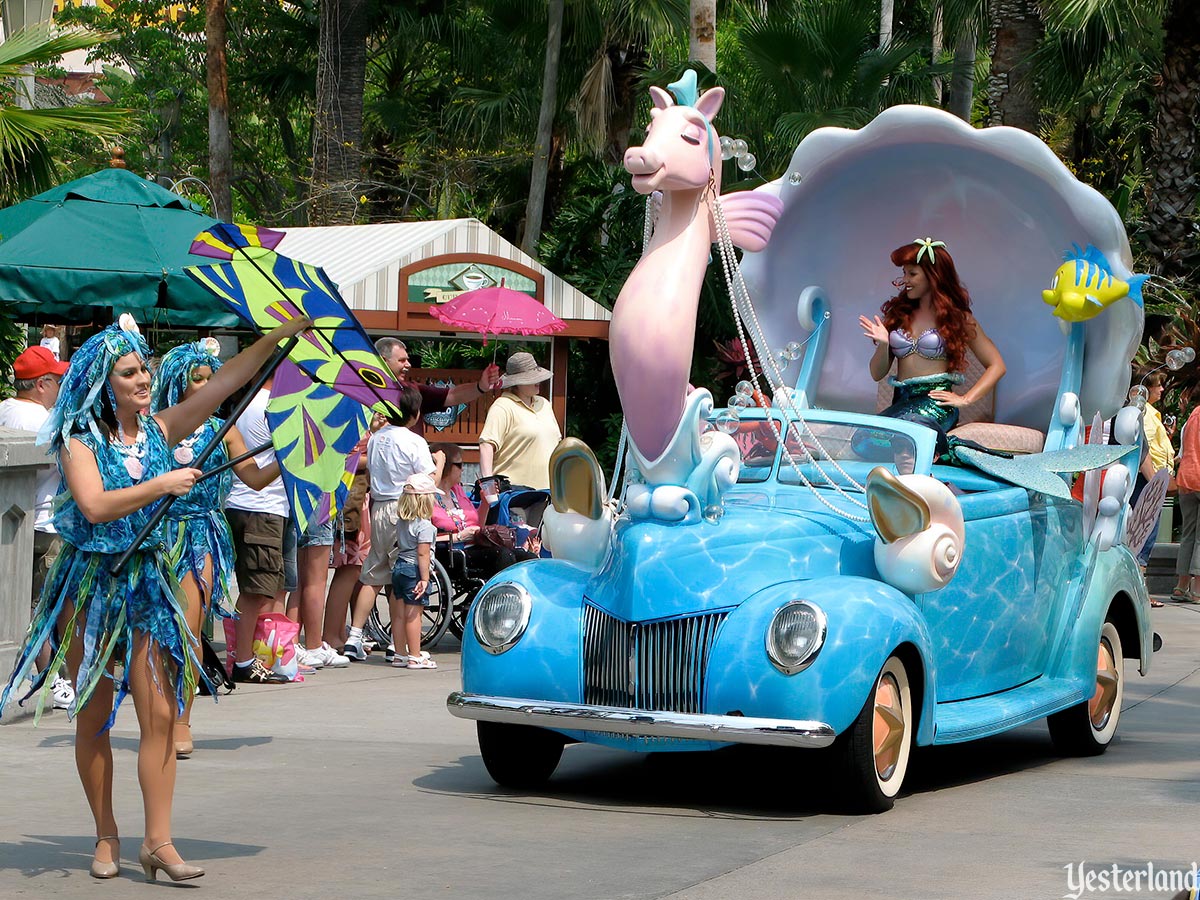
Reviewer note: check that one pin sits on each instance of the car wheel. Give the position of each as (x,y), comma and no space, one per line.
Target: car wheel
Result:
(1087,728)
(519,756)
(874,752)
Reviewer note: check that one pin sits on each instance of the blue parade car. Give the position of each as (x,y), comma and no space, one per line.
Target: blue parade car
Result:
(846,594)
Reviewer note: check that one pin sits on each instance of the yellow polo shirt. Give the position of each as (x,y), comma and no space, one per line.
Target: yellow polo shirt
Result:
(524,438)
(1162,454)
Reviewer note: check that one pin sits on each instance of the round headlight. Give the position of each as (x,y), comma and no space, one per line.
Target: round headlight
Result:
(795,636)
(501,614)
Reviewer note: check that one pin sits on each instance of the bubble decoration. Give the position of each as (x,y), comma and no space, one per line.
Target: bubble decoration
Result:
(726,147)
(739,401)
(745,387)
(1139,390)
(740,148)
(1189,355)
(1176,360)
(794,350)
(728,421)
(795,178)
(747,161)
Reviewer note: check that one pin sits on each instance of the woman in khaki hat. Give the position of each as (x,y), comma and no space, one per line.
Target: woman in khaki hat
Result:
(520,432)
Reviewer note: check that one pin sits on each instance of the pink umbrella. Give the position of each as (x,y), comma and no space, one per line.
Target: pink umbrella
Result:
(497,310)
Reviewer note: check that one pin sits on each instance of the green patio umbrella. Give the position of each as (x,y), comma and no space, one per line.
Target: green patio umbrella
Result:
(108,241)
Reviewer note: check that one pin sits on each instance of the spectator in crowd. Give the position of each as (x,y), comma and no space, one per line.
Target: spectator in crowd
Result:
(1160,455)
(307,603)
(50,341)
(521,431)
(455,516)
(394,453)
(415,535)
(258,521)
(434,399)
(1187,563)
(199,540)
(351,539)
(116,466)
(37,374)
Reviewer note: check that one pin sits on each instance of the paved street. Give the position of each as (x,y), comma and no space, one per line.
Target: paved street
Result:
(359,784)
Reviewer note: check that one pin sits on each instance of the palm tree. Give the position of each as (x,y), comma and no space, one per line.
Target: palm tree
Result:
(814,63)
(545,129)
(220,148)
(702,33)
(338,120)
(1171,213)
(26,164)
(1016,32)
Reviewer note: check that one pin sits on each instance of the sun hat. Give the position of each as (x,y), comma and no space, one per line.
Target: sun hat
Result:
(522,368)
(36,362)
(420,484)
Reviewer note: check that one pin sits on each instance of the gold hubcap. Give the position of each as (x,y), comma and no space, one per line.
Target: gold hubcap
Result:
(1100,707)
(888,731)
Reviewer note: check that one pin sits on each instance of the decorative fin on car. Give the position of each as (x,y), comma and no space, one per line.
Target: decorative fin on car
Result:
(577,526)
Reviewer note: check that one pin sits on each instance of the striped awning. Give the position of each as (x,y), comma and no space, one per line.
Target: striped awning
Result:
(366,260)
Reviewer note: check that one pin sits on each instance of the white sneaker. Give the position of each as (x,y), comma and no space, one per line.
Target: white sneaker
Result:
(310,658)
(354,649)
(331,657)
(62,695)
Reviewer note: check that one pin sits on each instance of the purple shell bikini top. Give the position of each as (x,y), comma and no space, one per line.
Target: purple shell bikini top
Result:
(929,345)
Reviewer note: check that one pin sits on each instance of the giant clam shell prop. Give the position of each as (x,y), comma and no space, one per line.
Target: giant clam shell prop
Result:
(1007,208)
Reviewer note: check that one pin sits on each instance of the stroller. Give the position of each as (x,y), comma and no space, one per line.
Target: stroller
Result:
(518,508)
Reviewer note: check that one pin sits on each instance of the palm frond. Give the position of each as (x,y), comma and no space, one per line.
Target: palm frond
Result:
(44,44)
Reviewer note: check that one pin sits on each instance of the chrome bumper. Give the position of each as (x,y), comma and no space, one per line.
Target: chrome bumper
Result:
(640,723)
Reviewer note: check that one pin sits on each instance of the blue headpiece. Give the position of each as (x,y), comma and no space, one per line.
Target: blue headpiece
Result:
(174,371)
(79,397)
(686,94)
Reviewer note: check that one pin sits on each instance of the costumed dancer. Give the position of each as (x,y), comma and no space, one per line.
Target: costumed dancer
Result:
(116,465)
(199,541)
(928,328)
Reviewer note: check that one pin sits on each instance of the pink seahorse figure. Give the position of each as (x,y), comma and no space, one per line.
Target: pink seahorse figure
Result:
(654,321)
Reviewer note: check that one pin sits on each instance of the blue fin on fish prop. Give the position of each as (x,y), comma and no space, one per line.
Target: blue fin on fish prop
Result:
(1041,472)
(1135,288)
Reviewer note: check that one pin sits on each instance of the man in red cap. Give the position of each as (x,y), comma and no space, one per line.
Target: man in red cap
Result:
(36,376)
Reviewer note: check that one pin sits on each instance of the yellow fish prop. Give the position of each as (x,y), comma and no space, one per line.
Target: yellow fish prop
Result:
(1084,285)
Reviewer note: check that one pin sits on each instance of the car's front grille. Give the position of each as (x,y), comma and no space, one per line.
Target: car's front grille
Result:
(647,665)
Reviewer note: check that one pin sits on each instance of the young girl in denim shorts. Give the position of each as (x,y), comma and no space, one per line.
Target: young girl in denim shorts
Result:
(415,535)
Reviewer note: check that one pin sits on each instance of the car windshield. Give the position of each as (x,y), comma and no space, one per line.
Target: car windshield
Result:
(814,447)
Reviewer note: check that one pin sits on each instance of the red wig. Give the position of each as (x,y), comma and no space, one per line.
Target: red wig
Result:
(951,302)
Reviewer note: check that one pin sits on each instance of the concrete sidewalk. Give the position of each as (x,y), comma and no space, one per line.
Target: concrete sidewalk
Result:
(358,784)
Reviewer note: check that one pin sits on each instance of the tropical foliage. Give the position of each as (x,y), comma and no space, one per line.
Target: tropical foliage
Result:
(452,90)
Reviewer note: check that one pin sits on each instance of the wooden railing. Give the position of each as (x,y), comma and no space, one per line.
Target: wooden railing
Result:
(466,428)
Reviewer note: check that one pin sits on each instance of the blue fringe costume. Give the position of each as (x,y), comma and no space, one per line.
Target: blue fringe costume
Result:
(109,610)
(195,524)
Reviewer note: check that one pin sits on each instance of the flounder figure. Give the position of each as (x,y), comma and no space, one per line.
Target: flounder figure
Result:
(1084,285)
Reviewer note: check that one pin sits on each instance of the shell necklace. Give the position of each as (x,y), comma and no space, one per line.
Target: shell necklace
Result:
(183,452)
(134,453)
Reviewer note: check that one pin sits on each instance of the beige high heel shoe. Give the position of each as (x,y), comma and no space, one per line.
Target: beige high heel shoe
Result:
(109,869)
(180,871)
(184,747)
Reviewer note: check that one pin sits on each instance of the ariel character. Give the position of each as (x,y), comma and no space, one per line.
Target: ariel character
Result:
(928,328)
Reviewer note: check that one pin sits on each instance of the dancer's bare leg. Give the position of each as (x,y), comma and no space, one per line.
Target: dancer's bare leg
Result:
(197,599)
(93,752)
(343,584)
(154,700)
